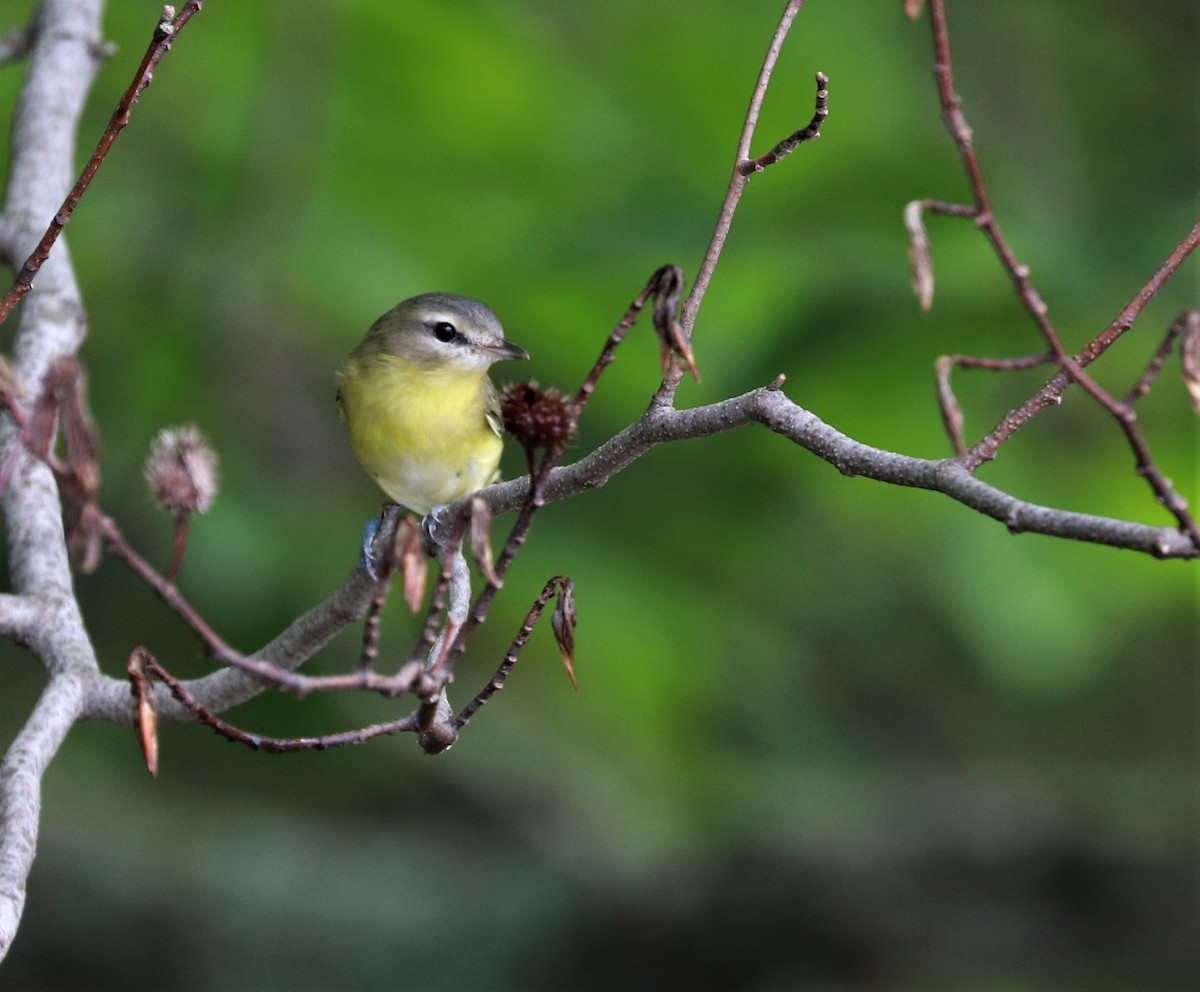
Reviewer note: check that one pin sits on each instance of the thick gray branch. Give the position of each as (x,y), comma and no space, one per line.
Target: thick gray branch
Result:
(21,796)
(60,71)
(109,698)
(771,408)
(19,617)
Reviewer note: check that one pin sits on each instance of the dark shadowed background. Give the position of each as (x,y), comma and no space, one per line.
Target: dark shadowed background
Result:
(831,735)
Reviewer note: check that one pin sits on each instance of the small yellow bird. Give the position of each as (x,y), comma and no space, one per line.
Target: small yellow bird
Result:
(424,417)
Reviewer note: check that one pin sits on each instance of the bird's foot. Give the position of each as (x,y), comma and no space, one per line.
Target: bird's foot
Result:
(432,529)
(366,556)
(369,556)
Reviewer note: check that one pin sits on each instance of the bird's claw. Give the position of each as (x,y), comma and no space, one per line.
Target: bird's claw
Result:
(366,555)
(430,527)
(369,556)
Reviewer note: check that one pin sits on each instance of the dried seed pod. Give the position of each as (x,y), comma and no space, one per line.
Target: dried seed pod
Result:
(182,471)
(920,258)
(668,287)
(562,622)
(537,418)
(147,720)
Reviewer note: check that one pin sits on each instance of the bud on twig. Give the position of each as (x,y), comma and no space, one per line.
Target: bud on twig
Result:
(414,563)
(920,259)
(147,719)
(668,287)
(1190,356)
(952,415)
(182,471)
(562,622)
(481,543)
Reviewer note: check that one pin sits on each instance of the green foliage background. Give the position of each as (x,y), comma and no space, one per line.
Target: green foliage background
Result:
(831,734)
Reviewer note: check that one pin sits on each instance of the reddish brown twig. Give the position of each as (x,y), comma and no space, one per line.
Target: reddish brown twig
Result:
(408,678)
(402,553)
(1185,326)
(1052,392)
(179,545)
(744,167)
(165,33)
(1072,367)
(275,745)
(810,132)
(555,585)
(60,409)
(952,418)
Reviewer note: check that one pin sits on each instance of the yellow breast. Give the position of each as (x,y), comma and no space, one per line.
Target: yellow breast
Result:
(422,434)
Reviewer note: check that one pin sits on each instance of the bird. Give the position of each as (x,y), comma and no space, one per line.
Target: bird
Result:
(422,413)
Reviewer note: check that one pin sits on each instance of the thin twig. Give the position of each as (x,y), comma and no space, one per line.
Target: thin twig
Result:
(738,179)
(1148,377)
(406,679)
(947,402)
(514,652)
(1052,392)
(180,544)
(1071,366)
(15,44)
(165,33)
(275,745)
(810,132)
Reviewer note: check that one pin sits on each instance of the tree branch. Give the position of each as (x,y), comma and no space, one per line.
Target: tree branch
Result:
(109,698)
(61,68)
(741,174)
(769,407)
(64,47)
(1051,393)
(21,791)
(19,617)
(164,34)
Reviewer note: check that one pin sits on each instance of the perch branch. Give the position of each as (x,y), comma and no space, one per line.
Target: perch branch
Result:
(510,659)
(769,407)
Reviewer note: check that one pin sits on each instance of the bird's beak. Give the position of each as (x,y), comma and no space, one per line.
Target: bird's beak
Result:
(507,350)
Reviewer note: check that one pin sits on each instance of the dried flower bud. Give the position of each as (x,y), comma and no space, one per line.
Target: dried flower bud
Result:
(563,622)
(10,385)
(147,719)
(182,470)
(920,258)
(952,415)
(1190,356)
(667,283)
(481,540)
(414,563)
(537,418)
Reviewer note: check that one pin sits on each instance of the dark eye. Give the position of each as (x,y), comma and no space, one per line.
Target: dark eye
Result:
(444,331)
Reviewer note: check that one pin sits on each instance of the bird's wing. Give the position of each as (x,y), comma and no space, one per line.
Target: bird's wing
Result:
(491,409)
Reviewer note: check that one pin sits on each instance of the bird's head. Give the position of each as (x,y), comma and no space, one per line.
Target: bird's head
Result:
(442,331)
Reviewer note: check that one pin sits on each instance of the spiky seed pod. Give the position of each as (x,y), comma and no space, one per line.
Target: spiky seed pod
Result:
(537,418)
